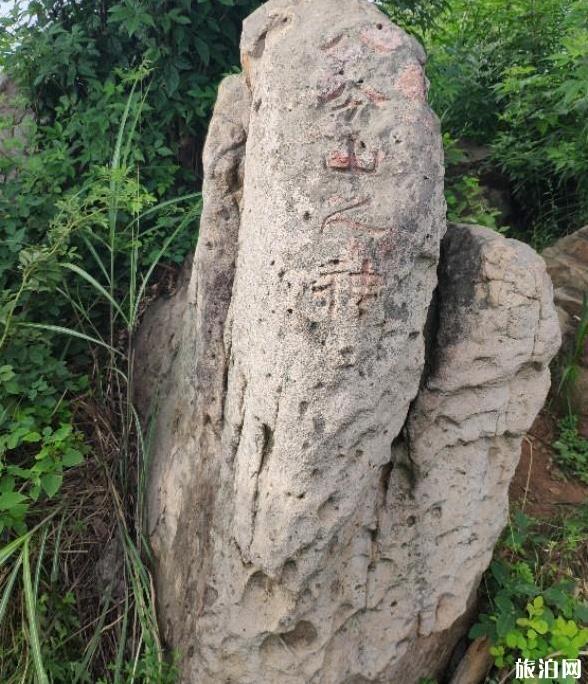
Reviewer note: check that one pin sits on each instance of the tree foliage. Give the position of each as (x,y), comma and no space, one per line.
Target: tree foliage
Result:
(514,76)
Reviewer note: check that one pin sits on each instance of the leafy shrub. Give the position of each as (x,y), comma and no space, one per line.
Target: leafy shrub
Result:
(474,44)
(513,76)
(543,141)
(465,200)
(66,55)
(37,435)
(535,609)
(571,449)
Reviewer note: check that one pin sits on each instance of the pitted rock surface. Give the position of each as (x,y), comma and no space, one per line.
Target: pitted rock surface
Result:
(567,264)
(291,439)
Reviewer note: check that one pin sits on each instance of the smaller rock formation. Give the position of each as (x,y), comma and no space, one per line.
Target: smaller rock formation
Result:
(15,122)
(567,264)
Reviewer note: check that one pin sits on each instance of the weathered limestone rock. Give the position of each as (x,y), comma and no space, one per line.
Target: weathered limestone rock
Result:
(496,333)
(567,264)
(313,519)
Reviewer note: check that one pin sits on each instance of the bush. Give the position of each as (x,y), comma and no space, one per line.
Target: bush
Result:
(572,449)
(513,76)
(542,144)
(536,606)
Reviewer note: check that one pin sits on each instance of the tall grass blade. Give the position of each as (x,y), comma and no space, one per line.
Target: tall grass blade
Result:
(30,601)
(72,333)
(97,258)
(40,561)
(120,651)
(8,588)
(167,242)
(13,546)
(84,666)
(162,205)
(96,285)
(55,562)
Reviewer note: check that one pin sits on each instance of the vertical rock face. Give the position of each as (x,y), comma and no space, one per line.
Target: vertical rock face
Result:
(495,333)
(567,264)
(313,520)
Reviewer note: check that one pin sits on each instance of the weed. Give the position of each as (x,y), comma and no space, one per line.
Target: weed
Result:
(536,608)
(92,259)
(571,449)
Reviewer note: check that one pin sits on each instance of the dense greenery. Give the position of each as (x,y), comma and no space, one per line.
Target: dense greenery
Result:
(534,608)
(103,188)
(514,76)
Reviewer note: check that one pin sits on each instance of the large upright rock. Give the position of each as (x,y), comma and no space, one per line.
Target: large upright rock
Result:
(308,524)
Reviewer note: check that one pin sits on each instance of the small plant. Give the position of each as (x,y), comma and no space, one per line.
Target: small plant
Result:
(535,608)
(571,370)
(465,200)
(571,449)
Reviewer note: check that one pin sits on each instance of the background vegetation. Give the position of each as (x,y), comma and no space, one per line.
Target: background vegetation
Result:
(101,199)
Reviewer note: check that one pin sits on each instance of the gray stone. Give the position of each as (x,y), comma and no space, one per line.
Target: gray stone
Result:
(496,332)
(312,518)
(567,264)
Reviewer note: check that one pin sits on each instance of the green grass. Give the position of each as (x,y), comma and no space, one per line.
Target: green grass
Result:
(57,622)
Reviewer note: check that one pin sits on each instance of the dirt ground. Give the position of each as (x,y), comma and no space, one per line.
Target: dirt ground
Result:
(539,486)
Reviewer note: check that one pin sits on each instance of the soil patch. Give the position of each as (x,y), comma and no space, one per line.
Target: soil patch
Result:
(539,487)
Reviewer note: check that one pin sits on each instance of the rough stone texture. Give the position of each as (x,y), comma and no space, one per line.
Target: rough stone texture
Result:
(313,520)
(161,328)
(567,263)
(188,402)
(496,333)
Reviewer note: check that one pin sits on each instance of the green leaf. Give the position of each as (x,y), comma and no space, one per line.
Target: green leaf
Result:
(540,626)
(32,437)
(51,482)
(556,597)
(203,50)
(581,612)
(172,79)
(72,457)
(9,500)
